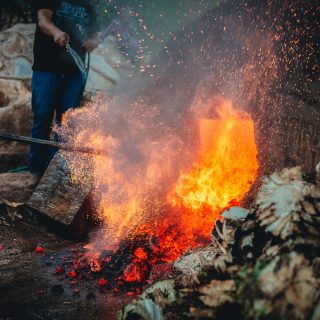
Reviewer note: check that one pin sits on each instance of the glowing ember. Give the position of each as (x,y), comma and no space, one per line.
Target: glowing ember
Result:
(134,272)
(59,270)
(140,254)
(39,249)
(95,265)
(102,282)
(72,274)
(172,212)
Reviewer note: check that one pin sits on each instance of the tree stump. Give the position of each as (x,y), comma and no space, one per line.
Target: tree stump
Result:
(63,205)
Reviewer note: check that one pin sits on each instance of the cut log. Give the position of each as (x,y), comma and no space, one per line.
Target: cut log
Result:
(61,204)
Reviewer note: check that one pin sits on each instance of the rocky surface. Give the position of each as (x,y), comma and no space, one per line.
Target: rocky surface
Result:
(15,97)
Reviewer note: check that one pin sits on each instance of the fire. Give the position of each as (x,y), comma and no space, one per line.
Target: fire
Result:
(157,188)
(220,177)
(226,166)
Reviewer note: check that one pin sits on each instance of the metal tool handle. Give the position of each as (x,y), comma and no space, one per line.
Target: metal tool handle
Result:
(49,143)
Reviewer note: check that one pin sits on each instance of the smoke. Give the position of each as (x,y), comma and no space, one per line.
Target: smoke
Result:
(145,157)
(149,128)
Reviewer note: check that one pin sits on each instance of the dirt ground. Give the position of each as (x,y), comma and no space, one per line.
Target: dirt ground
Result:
(30,287)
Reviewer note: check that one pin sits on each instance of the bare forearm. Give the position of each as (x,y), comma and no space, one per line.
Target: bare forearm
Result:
(49,28)
(45,23)
(93,42)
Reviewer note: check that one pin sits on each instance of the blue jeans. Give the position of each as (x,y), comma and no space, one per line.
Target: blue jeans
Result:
(51,92)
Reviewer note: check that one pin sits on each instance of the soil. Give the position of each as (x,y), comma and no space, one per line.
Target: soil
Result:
(12,156)
(30,287)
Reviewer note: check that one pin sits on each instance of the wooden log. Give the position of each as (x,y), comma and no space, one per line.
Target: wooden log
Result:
(64,206)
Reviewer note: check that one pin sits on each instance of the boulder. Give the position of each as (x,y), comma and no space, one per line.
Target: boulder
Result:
(16,52)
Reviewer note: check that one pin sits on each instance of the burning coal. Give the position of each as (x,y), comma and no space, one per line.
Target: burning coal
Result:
(175,161)
(157,180)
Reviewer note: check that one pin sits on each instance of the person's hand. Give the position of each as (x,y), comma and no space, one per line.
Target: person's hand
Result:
(61,38)
(91,44)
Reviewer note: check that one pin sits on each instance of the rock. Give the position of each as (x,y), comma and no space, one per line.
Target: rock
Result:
(12,155)
(193,263)
(16,52)
(14,192)
(16,119)
(15,96)
(13,93)
(235,213)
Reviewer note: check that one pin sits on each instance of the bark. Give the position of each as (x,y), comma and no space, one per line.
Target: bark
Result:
(60,202)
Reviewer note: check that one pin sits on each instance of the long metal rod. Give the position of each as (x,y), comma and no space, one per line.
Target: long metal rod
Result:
(49,143)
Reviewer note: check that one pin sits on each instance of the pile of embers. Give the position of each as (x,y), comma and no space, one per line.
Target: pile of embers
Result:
(265,265)
(129,270)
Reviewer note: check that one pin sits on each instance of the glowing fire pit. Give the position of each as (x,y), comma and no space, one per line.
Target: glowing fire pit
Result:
(154,215)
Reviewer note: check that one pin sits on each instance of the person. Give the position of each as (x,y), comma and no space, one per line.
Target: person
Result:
(57,83)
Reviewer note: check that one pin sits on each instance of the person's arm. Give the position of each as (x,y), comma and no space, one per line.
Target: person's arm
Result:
(48,27)
(95,38)
(93,42)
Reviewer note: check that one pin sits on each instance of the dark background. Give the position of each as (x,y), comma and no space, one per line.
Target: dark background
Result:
(161,17)
(15,11)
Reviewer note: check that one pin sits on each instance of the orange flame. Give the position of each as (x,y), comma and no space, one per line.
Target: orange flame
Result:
(146,197)
(220,177)
(227,163)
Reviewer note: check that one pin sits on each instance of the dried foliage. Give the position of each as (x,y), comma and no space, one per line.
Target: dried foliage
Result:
(265,266)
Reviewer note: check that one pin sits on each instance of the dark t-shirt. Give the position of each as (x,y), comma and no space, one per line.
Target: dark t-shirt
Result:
(75,17)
